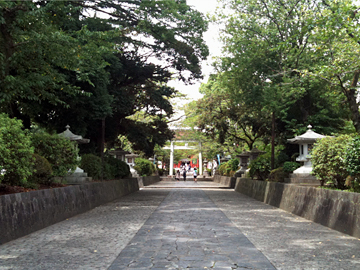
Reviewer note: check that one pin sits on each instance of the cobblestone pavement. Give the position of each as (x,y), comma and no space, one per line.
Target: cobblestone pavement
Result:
(288,241)
(188,231)
(88,241)
(202,228)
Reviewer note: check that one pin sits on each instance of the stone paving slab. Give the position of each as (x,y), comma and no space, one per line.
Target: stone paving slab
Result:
(288,241)
(95,239)
(188,231)
(88,241)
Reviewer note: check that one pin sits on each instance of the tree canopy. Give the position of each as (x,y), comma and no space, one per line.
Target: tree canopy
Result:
(78,62)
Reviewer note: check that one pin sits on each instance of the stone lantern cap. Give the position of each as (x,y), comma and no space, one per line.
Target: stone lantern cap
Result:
(118,152)
(73,137)
(131,155)
(308,137)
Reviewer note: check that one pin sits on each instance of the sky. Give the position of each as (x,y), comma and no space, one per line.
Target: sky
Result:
(211,39)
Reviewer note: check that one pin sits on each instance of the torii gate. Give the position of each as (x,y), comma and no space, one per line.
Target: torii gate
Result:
(186,147)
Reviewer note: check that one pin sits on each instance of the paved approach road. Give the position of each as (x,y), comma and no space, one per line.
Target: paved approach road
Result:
(183,225)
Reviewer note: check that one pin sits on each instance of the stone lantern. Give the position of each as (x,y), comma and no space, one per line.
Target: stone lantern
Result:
(78,176)
(244,162)
(305,142)
(245,159)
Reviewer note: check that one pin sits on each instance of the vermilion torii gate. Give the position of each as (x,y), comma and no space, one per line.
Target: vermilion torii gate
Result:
(173,147)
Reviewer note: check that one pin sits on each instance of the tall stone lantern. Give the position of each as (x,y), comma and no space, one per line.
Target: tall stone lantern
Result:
(78,176)
(245,159)
(305,142)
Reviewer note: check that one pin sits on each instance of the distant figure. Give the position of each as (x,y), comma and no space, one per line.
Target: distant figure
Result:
(195,174)
(184,174)
(177,175)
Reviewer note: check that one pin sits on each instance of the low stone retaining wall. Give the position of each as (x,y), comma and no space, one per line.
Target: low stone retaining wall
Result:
(24,213)
(335,209)
(148,180)
(225,180)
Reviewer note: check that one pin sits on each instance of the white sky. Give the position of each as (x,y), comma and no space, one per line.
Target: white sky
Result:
(211,39)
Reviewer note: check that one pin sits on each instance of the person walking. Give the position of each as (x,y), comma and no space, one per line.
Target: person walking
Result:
(195,174)
(184,174)
(177,175)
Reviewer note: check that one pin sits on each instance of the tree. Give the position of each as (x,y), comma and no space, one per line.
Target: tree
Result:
(38,56)
(267,44)
(336,46)
(226,121)
(105,70)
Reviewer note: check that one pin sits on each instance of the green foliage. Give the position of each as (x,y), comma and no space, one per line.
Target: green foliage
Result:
(91,164)
(290,166)
(260,167)
(328,159)
(222,169)
(144,167)
(352,161)
(278,175)
(118,168)
(161,172)
(42,171)
(15,152)
(233,164)
(62,65)
(228,168)
(60,152)
(281,158)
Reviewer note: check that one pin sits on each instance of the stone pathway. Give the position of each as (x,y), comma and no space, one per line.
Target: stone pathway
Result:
(183,228)
(188,231)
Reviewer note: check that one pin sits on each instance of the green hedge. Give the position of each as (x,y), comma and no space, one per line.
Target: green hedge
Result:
(91,164)
(60,152)
(290,166)
(16,152)
(113,168)
(144,167)
(260,167)
(328,159)
(42,171)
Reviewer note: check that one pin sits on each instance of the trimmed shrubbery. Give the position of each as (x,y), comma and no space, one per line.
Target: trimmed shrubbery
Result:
(116,168)
(278,175)
(260,167)
(42,171)
(16,152)
(91,164)
(60,152)
(113,168)
(144,167)
(229,168)
(328,159)
(290,166)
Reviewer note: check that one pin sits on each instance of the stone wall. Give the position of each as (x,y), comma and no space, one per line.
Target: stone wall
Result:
(24,213)
(335,209)
(148,180)
(225,180)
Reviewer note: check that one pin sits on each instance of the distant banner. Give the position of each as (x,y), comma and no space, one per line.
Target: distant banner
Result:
(218,156)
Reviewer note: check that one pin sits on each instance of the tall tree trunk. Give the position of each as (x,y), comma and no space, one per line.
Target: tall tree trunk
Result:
(102,148)
(273,141)
(351,95)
